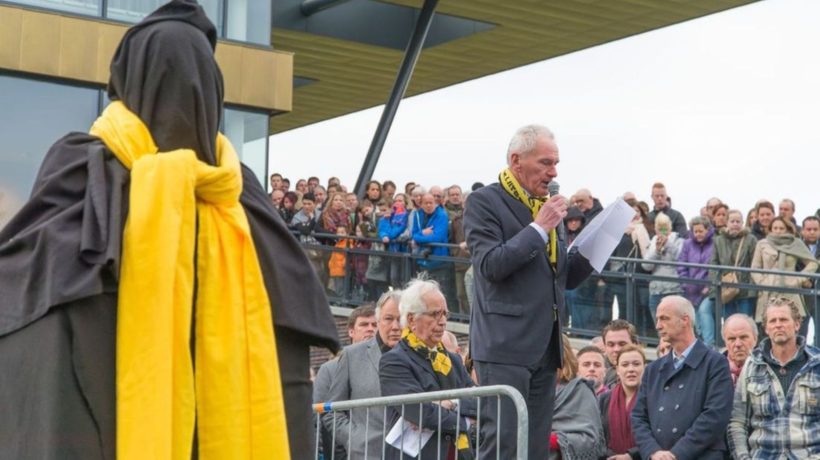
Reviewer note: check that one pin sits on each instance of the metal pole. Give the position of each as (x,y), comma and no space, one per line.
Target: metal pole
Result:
(309,7)
(411,55)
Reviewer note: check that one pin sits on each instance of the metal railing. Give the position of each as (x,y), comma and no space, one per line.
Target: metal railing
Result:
(398,403)
(629,282)
(632,277)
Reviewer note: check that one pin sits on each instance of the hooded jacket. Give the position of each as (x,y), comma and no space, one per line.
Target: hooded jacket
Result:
(575,213)
(696,253)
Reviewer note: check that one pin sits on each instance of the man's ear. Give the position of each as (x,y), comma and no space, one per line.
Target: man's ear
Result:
(515,162)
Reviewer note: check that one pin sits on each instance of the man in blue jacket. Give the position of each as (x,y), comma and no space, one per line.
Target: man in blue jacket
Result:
(431,225)
(685,399)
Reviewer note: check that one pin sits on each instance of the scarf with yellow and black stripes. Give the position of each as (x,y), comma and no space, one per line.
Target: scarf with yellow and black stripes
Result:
(510,184)
(442,365)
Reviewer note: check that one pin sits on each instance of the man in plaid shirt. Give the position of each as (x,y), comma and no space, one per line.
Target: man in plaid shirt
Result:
(776,414)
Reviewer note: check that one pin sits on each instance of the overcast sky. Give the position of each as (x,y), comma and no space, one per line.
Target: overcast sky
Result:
(725,105)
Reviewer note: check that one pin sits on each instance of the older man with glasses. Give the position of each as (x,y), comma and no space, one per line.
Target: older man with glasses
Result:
(419,364)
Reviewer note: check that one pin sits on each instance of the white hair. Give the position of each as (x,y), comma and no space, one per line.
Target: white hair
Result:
(393,294)
(683,307)
(418,188)
(412,297)
(524,140)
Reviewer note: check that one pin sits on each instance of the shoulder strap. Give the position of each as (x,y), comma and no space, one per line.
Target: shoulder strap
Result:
(739,247)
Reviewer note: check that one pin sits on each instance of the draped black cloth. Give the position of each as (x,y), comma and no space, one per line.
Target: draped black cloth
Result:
(60,256)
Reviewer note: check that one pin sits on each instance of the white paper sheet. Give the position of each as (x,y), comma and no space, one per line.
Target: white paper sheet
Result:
(600,237)
(405,436)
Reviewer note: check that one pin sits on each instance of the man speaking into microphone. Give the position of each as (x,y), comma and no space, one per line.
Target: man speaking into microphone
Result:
(519,253)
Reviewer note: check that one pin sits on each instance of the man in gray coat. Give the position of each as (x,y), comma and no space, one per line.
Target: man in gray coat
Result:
(357,377)
(521,266)
(361,325)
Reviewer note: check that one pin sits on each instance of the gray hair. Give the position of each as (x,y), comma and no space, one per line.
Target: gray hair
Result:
(702,221)
(412,297)
(393,294)
(524,140)
(741,317)
(418,188)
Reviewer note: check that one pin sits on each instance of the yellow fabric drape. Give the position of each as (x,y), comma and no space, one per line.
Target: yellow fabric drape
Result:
(511,185)
(187,251)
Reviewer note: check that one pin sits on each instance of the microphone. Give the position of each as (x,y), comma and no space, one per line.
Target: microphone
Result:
(553,188)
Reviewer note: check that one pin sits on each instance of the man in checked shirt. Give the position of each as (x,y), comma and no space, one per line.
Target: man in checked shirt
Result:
(776,414)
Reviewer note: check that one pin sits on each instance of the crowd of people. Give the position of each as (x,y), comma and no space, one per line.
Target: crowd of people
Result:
(426,222)
(611,402)
(692,401)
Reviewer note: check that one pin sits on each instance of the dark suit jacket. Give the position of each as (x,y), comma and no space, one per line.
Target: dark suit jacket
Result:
(515,286)
(685,411)
(402,371)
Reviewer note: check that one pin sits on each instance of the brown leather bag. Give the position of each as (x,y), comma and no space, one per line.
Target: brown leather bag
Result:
(728,293)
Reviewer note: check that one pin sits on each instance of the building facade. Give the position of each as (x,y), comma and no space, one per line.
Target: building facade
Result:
(54,57)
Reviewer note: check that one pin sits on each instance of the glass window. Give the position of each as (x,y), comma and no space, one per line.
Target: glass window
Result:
(248,132)
(134,10)
(43,112)
(249,21)
(85,7)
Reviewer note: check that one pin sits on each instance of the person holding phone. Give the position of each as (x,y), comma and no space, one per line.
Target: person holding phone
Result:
(665,246)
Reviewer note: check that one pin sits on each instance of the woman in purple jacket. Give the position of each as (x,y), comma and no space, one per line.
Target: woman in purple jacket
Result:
(697,249)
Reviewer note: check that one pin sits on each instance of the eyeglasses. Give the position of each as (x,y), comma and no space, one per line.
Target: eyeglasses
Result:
(437,315)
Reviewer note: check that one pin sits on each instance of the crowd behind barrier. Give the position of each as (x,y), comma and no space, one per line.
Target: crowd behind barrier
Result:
(618,292)
(749,285)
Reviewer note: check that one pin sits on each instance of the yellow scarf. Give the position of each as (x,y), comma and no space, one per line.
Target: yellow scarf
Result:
(439,358)
(511,185)
(188,248)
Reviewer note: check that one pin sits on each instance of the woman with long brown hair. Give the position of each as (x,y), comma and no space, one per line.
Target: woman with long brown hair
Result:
(616,405)
(781,250)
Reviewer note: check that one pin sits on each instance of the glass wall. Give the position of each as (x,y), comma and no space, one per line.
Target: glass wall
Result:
(134,10)
(84,7)
(43,112)
(248,132)
(247,20)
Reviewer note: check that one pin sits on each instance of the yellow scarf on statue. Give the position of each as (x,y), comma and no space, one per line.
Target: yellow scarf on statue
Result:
(533,203)
(188,254)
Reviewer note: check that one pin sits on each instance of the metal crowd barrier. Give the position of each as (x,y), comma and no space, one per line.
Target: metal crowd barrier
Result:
(332,408)
(628,277)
